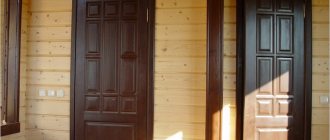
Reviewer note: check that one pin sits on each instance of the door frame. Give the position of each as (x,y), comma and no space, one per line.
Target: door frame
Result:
(11,61)
(240,35)
(150,73)
(214,72)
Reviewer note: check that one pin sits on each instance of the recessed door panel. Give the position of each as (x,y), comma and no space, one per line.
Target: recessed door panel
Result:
(285,6)
(265,5)
(93,37)
(111,57)
(265,75)
(284,76)
(285,34)
(109,131)
(265,34)
(272,134)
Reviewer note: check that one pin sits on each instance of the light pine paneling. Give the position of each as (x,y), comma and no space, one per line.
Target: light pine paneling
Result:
(50,18)
(229,71)
(49,34)
(185,65)
(320,113)
(320,48)
(189,131)
(320,132)
(316,3)
(43,134)
(179,4)
(176,16)
(49,122)
(49,63)
(180,69)
(48,67)
(23,66)
(320,14)
(179,72)
(51,6)
(188,32)
(180,97)
(181,48)
(49,48)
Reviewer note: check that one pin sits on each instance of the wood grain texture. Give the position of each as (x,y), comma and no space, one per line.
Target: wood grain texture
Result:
(229,65)
(320,70)
(177,4)
(171,48)
(179,32)
(48,67)
(51,5)
(180,69)
(320,3)
(42,134)
(320,112)
(181,16)
(2,35)
(214,75)
(190,44)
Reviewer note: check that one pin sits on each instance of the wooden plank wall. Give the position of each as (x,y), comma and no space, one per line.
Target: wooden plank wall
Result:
(23,63)
(48,67)
(229,79)
(320,113)
(180,70)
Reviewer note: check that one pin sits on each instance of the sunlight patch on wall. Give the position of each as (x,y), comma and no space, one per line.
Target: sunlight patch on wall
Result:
(226,122)
(176,136)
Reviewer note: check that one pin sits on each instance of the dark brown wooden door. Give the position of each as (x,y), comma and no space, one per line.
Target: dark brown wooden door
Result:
(111,70)
(274,70)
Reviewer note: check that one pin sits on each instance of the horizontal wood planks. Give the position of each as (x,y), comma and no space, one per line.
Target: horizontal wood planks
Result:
(320,112)
(229,71)
(180,69)
(48,67)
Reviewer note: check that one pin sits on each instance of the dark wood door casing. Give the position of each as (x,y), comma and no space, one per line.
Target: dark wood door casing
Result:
(274,86)
(214,86)
(11,66)
(112,70)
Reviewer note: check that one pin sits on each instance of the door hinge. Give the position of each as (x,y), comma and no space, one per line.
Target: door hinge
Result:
(147,14)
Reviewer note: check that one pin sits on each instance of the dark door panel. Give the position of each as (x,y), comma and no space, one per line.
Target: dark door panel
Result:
(111,76)
(274,104)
